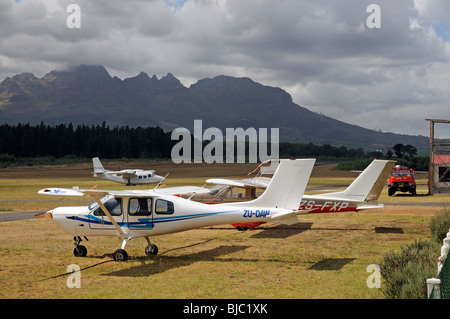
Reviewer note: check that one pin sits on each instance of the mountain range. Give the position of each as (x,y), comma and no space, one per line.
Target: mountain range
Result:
(88,94)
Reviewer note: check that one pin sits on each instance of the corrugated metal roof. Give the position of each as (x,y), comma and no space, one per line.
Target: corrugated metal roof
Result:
(441,159)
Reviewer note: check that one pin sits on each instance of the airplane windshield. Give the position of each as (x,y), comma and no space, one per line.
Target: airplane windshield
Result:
(94,204)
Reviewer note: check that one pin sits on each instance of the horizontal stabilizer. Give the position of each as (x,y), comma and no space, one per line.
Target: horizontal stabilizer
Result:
(288,219)
(361,207)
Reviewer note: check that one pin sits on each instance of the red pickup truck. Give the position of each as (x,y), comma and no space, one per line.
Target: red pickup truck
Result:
(401,179)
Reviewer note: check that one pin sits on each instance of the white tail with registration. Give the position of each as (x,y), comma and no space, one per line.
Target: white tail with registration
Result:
(368,185)
(98,167)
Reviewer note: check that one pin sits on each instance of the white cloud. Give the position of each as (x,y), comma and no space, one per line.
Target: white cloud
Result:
(321,52)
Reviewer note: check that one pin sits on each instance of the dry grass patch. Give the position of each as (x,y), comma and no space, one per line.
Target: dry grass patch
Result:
(323,256)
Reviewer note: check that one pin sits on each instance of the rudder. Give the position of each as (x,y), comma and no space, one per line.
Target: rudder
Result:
(98,167)
(287,185)
(369,184)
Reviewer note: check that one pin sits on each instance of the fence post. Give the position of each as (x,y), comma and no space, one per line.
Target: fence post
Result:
(434,288)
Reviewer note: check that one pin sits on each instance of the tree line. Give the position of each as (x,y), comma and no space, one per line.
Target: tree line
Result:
(25,140)
(87,141)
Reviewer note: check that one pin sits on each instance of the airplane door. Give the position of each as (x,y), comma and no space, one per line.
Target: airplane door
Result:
(140,213)
(98,219)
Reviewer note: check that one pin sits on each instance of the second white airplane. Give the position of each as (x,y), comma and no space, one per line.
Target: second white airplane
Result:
(126,176)
(363,192)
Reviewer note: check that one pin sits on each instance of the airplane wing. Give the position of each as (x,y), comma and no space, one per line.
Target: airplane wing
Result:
(92,192)
(61,192)
(181,190)
(96,194)
(265,169)
(126,174)
(257,182)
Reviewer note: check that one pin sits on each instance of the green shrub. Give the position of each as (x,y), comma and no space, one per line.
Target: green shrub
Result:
(440,226)
(6,160)
(405,272)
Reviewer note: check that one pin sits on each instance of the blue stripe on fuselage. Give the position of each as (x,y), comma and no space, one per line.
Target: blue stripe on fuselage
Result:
(144,222)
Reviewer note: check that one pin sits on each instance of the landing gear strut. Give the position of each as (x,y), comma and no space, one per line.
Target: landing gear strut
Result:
(79,250)
(119,254)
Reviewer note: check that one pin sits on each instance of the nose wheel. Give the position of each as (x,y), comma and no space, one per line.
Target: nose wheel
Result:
(79,250)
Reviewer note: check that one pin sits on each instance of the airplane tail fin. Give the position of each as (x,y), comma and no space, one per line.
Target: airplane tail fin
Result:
(369,184)
(287,185)
(98,167)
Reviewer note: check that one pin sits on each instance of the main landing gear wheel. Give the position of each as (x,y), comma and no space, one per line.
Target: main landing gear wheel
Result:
(120,255)
(151,250)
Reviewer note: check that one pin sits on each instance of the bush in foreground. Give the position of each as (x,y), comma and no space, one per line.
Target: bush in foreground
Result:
(405,272)
(440,226)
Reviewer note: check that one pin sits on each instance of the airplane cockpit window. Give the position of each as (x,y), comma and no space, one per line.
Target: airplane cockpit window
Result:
(113,205)
(140,207)
(164,207)
(94,204)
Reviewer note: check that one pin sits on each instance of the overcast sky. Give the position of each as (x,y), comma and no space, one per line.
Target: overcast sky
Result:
(322,52)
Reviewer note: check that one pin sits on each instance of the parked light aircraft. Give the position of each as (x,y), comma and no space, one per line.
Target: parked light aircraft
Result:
(144,213)
(362,194)
(126,176)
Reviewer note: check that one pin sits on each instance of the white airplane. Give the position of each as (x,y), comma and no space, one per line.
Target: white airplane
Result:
(144,213)
(363,192)
(126,176)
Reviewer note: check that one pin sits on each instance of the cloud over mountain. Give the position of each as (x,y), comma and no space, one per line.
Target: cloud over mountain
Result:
(321,52)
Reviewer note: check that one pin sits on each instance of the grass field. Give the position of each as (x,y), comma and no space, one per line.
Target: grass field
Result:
(323,256)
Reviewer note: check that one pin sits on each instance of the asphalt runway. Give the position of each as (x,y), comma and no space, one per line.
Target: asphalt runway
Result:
(9,217)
